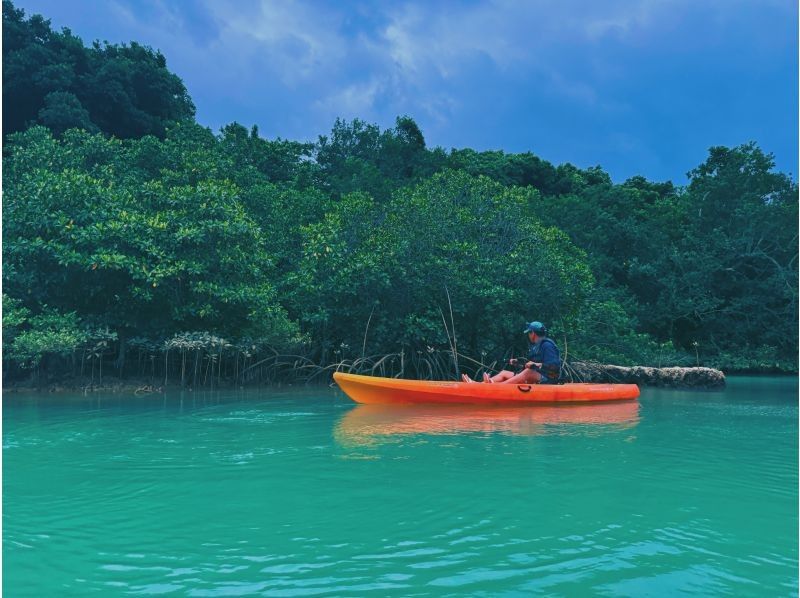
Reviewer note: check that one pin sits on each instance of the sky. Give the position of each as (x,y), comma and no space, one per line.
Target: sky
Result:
(637,87)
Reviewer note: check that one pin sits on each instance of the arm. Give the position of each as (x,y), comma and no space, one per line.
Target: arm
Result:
(529,363)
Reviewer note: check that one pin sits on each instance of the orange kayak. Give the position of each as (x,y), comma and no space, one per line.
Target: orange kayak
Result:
(372,389)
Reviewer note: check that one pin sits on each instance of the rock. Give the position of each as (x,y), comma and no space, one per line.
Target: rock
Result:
(672,377)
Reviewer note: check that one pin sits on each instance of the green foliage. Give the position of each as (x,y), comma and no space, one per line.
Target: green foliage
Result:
(742,237)
(14,316)
(520,170)
(137,255)
(51,78)
(760,360)
(714,264)
(241,236)
(62,111)
(48,333)
(453,234)
(252,158)
(244,237)
(603,331)
(357,156)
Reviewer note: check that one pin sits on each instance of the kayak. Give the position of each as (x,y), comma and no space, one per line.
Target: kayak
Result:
(372,389)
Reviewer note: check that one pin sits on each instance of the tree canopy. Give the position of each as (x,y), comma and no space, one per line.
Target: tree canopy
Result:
(51,78)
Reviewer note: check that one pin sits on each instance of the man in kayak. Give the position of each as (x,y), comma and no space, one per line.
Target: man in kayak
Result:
(543,365)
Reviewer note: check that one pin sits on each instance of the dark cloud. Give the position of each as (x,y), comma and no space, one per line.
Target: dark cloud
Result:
(640,88)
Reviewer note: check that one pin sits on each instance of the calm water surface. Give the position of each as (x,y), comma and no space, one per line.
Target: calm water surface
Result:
(299,492)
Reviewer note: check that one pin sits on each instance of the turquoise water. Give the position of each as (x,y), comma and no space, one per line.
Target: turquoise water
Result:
(300,492)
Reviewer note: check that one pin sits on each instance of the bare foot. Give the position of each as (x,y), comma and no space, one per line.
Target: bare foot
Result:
(487,378)
(466,378)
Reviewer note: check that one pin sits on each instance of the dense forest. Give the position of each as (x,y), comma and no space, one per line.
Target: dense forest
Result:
(140,243)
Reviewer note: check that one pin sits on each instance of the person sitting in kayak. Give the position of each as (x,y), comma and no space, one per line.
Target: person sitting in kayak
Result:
(543,365)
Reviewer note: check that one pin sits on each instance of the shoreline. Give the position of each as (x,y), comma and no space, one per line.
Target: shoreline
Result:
(700,378)
(139,387)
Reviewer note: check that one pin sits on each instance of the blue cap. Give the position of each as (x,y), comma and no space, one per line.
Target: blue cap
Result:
(536,327)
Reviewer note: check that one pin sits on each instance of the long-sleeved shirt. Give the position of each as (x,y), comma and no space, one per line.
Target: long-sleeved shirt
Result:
(546,352)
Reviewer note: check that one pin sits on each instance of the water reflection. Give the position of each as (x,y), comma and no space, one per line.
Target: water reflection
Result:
(367,424)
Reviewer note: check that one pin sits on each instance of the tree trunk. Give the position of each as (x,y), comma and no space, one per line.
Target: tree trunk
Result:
(119,363)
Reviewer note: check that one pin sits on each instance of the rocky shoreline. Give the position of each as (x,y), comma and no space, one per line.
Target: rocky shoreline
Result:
(670,377)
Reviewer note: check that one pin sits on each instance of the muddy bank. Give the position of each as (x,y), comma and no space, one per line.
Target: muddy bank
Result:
(86,386)
(672,377)
(136,386)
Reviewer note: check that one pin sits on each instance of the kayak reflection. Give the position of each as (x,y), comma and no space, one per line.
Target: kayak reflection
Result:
(367,423)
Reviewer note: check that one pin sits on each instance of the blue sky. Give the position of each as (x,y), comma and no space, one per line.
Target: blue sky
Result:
(641,87)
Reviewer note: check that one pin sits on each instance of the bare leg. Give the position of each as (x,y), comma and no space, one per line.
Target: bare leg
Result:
(501,377)
(526,376)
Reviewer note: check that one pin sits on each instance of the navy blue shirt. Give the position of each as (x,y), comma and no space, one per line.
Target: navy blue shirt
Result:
(544,351)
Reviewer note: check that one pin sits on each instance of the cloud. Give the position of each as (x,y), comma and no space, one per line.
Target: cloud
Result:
(430,45)
(423,40)
(574,80)
(296,39)
(412,57)
(355,100)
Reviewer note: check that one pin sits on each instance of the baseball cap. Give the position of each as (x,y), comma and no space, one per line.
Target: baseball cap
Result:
(536,327)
